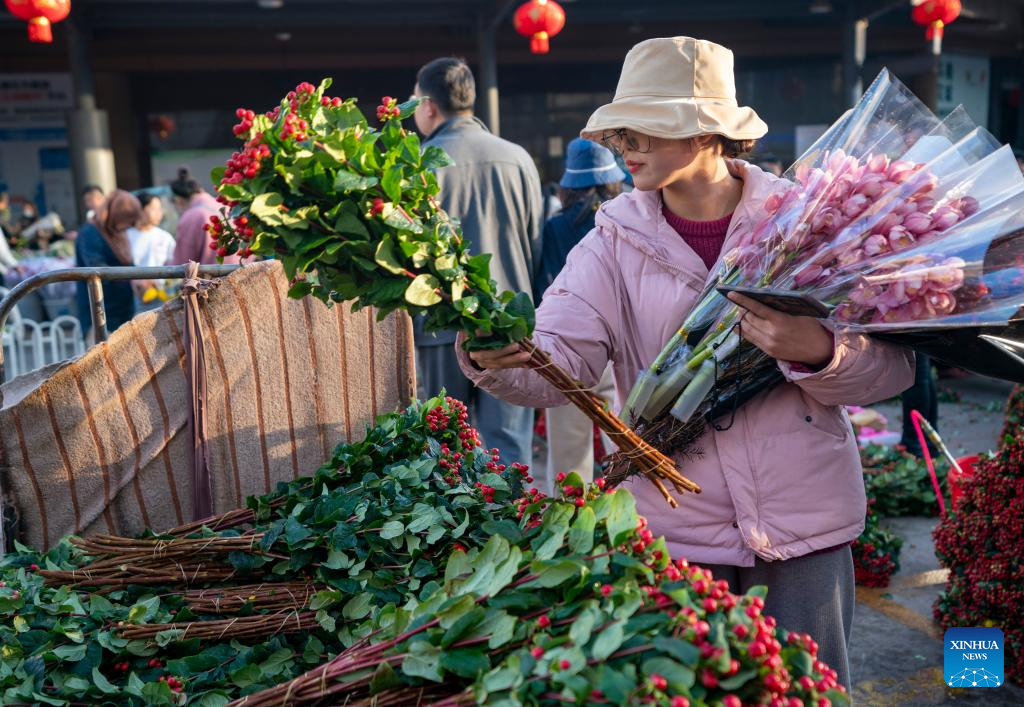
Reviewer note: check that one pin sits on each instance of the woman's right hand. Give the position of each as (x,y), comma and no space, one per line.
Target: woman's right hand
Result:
(510,356)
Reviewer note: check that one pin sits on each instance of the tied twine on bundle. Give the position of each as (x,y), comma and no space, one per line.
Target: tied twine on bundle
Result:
(194,290)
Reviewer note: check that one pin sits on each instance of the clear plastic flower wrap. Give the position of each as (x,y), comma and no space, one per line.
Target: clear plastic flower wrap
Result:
(895,220)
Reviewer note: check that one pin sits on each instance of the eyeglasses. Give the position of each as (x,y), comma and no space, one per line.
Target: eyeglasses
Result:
(618,141)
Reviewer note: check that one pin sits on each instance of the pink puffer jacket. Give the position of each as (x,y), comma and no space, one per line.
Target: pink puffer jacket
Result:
(785,480)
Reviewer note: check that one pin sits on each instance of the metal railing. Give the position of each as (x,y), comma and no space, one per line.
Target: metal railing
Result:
(94,278)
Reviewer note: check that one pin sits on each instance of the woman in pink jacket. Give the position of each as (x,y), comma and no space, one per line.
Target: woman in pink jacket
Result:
(196,206)
(783,494)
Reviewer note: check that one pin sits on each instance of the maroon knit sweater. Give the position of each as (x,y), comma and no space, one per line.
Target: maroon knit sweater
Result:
(704,237)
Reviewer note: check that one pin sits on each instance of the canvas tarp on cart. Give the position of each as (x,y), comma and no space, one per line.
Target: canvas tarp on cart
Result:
(102,445)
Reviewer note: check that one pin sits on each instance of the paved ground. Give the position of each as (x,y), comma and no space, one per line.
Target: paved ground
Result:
(896,652)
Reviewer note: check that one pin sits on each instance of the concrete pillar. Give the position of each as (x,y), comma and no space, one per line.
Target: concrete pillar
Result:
(855,31)
(487,85)
(92,158)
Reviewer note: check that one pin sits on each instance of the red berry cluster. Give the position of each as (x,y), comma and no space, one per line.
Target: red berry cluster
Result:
(979,542)
(172,682)
(756,646)
(444,419)
(451,463)
(221,232)
(872,567)
(218,230)
(328,102)
(522,470)
(246,164)
(1014,412)
(533,497)
(388,109)
(122,667)
(245,117)
(753,641)
(376,206)
(244,231)
(294,128)
(300,96)
(876,552)
(487,491)
(644,537)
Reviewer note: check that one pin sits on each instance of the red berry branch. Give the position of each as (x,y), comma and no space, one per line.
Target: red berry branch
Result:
(351,212)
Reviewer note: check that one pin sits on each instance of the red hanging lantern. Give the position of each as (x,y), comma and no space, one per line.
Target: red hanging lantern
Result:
(539,20)
(935,15)
(40,14)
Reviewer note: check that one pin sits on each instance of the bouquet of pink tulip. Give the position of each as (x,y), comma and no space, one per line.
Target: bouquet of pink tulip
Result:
(893,223)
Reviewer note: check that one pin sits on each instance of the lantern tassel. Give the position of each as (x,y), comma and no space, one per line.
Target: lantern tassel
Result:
(40,30)
(934,33)
(539,43)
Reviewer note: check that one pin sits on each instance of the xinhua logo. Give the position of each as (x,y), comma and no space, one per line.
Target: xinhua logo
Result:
(973,657)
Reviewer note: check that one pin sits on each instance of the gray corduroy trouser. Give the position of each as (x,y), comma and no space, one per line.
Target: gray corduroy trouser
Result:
(813,594)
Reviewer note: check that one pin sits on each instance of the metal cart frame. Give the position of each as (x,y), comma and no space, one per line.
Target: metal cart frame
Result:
(94,278)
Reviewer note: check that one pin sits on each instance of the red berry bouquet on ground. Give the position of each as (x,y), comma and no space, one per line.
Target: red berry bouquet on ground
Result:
(1014,413)
(980,541)
(350,210)
(876,553)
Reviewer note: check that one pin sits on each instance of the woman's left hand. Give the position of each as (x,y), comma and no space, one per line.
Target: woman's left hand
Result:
(783,336)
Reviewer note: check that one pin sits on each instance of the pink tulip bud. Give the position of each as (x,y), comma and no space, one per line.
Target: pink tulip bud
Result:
(854,205)
(828,220)
(925,204)
(969,206)
(878,163)
(876,244)
(865,295)
(944,218)
(870,185)
(901,170)
(904,208)
(900,238)
(850,257)
(838,162)
(842,187)
(887,222)
(947,275)
(917,223)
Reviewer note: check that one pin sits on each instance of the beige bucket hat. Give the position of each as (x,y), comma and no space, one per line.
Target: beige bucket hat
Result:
(677,87)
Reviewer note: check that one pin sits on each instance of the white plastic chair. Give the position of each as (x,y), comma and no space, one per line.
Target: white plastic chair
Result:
(12,361)
(29,345)
(12,367)
(65,338)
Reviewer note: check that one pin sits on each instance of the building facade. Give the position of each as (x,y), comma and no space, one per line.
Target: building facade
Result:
(169,75)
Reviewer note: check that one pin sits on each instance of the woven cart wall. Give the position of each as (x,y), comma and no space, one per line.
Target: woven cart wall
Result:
(102,445)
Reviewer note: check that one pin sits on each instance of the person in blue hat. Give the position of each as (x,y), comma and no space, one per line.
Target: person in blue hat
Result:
(591,177)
